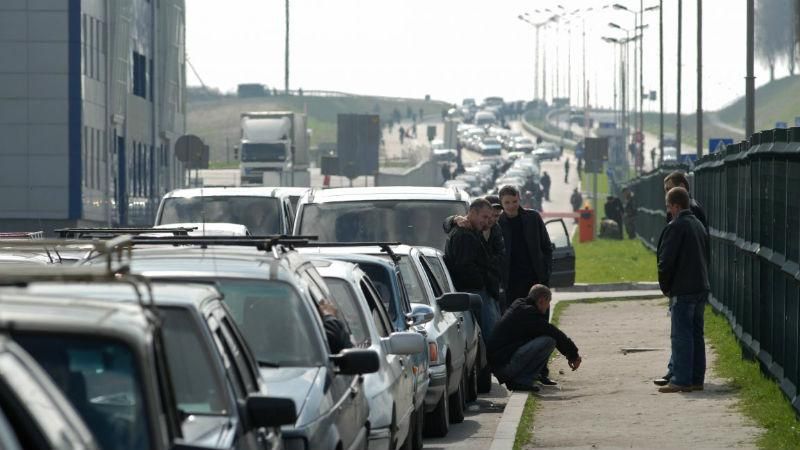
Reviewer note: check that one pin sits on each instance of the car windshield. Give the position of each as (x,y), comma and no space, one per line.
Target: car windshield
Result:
(198,389)
(413,222)
(100,377)
(346,300)
(263,152)
(275,322)
(261,215)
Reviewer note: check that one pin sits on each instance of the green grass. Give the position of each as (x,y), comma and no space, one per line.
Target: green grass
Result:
(613,261)
(525,427)
(759,397)
(775,102)
(224,165)
(602,185)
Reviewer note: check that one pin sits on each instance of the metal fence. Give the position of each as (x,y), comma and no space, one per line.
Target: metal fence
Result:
(651,215)
(751,193)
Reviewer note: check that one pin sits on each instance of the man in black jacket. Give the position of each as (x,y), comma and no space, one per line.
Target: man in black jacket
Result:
(529,253)
(683,255)
(673,180)
(524,339)
(469,262)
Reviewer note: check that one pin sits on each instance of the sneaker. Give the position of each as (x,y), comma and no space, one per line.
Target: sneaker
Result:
(671,388)
(521,387)
(661,381)
(547,381)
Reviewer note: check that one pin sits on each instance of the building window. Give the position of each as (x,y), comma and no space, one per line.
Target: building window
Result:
(139,75)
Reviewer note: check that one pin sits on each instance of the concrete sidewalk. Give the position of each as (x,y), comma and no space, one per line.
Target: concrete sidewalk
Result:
(611,402)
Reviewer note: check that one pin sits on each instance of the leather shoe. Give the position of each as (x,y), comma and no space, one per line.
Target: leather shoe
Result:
(697,387)
(671,388)
(547,381)
(521,387)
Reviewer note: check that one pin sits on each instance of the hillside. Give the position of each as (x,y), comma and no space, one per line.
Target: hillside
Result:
(217,119)
(775,102)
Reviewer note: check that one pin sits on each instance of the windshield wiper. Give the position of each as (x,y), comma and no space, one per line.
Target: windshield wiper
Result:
(265,363)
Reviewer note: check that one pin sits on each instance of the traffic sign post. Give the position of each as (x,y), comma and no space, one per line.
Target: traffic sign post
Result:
(781,125)
(718,144)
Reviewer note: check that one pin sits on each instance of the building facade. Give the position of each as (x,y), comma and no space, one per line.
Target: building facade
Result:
(92,100)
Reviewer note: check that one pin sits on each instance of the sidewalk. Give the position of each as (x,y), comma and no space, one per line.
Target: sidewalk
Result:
(611,402)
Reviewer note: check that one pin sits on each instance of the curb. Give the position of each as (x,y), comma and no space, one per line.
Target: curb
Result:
(608,287)
(506,430)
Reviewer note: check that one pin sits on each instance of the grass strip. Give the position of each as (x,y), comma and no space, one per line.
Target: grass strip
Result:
(760,398)
(613,261)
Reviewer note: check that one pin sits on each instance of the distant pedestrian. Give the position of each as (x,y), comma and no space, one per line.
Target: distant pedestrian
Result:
(566,170)
(545,182)
(446,171)
(523,341)
(614,211)
(653,157)
(579,168)
(402,132)
(576,200)
(683,255)
(414,129)
(629,212)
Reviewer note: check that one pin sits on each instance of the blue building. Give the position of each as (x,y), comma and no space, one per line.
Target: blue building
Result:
(92,100)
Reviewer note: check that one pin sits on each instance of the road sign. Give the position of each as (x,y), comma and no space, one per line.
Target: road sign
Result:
(596,154)
(653,96)
(718,144)
(689,159)
(781,125)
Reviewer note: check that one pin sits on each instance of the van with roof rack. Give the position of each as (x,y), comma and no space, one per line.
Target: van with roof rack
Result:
(264,211)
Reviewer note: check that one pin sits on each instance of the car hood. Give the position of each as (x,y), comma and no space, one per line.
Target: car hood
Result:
(209,431)
(297,383)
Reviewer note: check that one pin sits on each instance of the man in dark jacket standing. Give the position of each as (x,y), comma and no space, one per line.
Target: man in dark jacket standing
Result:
(529,253)
(524,339)
(683,255)
(468,261)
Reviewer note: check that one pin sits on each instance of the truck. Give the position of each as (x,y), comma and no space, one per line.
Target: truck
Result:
(274,149)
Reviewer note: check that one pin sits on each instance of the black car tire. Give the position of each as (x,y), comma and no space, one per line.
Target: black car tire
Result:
(472,383)
(437,422)
(484,380)
(419,425)
(457,403)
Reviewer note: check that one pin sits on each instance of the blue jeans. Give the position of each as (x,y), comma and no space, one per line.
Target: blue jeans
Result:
(488,315)
(528,361)
(688,345)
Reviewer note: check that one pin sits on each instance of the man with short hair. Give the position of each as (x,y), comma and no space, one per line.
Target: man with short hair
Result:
(678,179)
(683,255)
(524,339)
(469,263)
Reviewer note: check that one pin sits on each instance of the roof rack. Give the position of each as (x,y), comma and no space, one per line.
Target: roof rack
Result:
(386,247)
(265,243)
(83,233)
(22,235)
(109,248)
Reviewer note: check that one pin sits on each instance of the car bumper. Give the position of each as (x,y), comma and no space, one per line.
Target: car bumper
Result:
(437,386)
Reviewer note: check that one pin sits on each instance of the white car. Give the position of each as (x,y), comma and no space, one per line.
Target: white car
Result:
(390,391)
(547,153)
(670,155)
(207,229)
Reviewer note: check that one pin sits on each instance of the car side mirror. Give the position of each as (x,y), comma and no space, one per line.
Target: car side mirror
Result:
(454,302)
(404,343)
(264,411)
(420,314)
(356,361)
(475,302)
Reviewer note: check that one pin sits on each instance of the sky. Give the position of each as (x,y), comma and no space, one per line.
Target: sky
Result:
(452,49)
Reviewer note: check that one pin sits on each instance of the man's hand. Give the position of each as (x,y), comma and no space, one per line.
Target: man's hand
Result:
(461,222)
(327,308)
(575,363)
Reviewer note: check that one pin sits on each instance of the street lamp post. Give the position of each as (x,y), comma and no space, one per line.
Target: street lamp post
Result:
(699,78)
(537,26)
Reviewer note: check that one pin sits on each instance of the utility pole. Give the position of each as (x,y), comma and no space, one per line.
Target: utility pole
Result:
(640,135)
(536,70)
(286,52)
(678,114)
(569,62)
(660,81)
(750,80)
(699,78)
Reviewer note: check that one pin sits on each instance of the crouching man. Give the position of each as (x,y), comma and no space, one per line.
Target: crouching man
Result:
(523,340)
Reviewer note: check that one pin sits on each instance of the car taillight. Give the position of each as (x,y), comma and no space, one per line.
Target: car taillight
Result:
(433,352)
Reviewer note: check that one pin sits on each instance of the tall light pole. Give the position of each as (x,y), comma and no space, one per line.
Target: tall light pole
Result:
(678,112)
(750,80)
(699,78)
(286,53)
(660,81)
(537,26)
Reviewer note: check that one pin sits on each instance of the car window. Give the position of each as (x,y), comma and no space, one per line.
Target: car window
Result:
(198,388)
(347,302)
(380,279)
(412,282)
(438,272)
(100,377)
(558,233)
(240,353)
(375,306)
(437,290)
(261,215)
(275,321)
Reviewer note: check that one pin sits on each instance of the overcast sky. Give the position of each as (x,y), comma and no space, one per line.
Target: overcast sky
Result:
(453,49)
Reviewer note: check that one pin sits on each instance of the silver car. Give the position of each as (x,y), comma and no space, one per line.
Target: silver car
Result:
(390,391)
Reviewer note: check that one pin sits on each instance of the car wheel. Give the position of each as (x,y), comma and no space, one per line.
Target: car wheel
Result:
(419,424)
(393,432)
(437,422)
(457,403)
(484,380)
(472,384)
